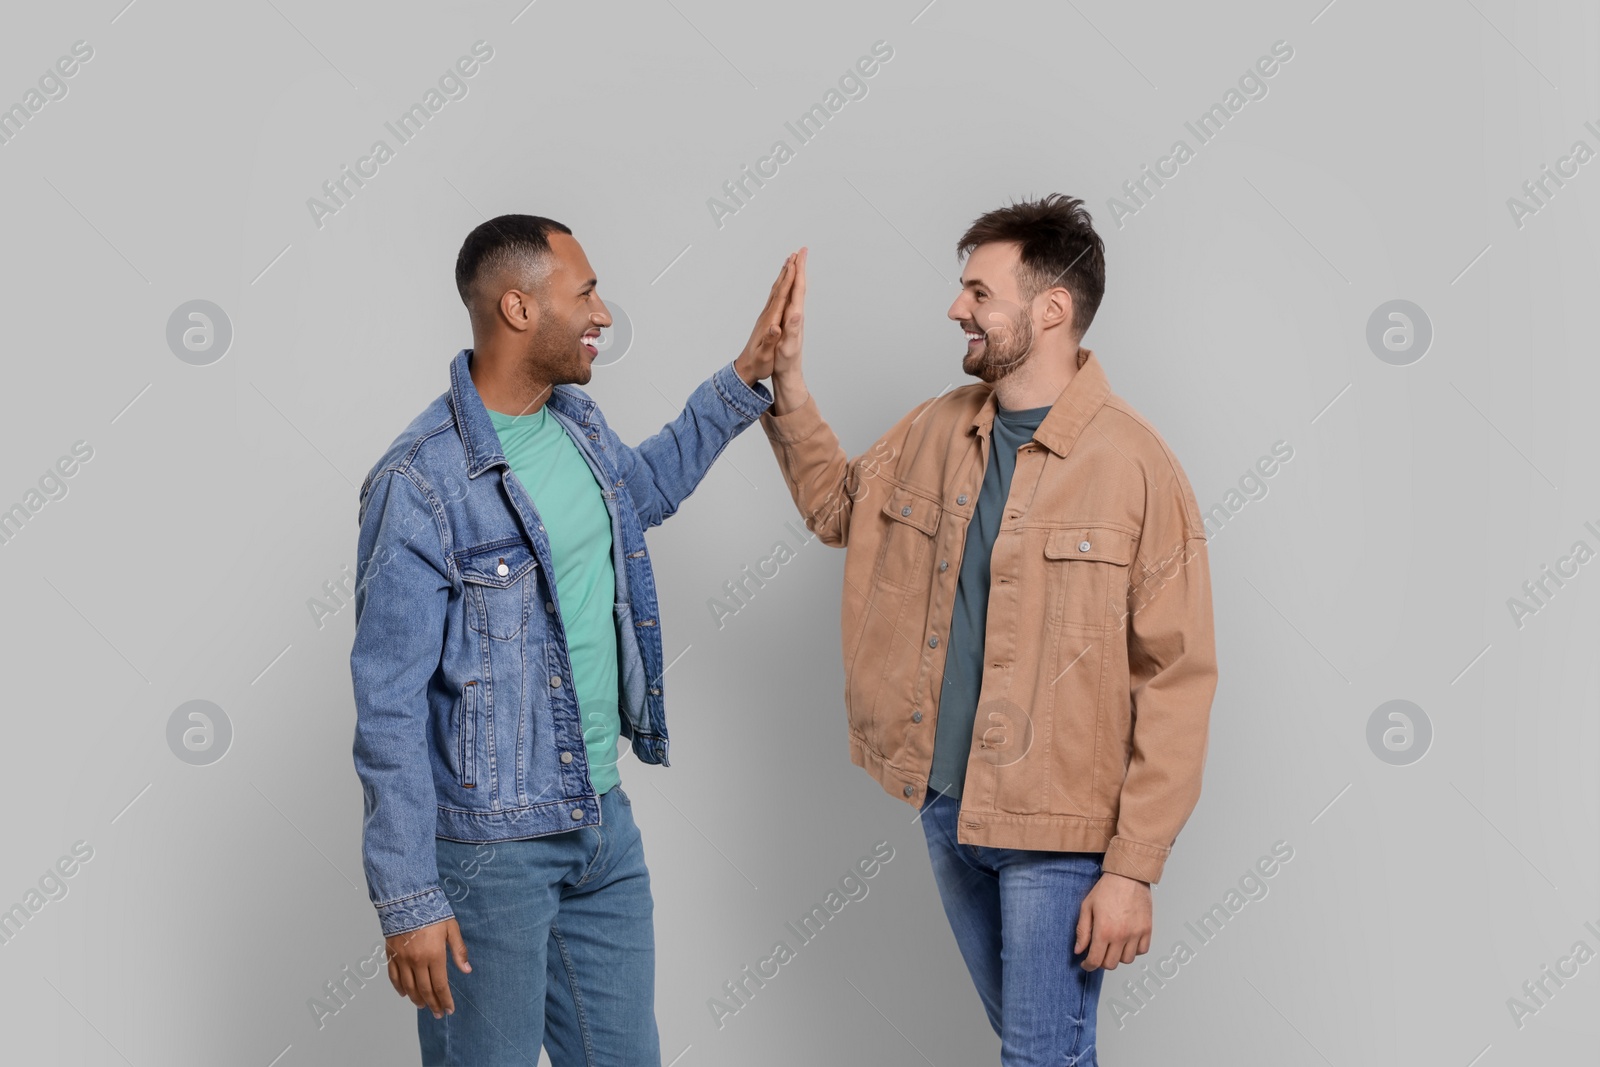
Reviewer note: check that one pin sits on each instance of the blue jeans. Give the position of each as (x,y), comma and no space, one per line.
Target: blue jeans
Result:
(561,939)
(1015,915)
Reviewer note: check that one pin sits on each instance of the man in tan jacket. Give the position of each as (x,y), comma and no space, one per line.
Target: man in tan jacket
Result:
(1028,645)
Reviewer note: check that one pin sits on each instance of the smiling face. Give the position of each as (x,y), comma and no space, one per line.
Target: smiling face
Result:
(991,310)
(565,341)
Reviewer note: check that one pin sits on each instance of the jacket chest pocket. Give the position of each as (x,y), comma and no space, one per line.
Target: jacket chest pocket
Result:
(499,586)
(1088,569)
(904,560)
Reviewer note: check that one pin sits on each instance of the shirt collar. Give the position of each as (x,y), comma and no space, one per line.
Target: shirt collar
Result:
(478,435)
(1071,412)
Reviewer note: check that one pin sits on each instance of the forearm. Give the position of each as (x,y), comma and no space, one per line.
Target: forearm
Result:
(789,391)
(663,470)
(815,467)
(1173,671)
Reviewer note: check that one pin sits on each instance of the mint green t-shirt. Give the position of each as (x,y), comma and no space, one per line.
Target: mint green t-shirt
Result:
(564,491)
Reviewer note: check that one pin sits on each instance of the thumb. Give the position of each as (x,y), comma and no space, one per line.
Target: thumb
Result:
(458,948)
(1085,924)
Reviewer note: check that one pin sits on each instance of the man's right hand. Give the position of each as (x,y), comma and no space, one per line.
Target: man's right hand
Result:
(788,384)
(417,964)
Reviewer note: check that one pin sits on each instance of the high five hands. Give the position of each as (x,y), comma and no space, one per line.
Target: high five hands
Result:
(774,345)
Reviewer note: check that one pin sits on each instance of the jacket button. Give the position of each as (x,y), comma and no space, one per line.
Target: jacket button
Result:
(944,565)
(502,570)
(962,499)
(549,605)
(908,790)
(916,716)
(933,642)
(906,510)
(577,813)
(555,681)
(566,757)
(1084,546)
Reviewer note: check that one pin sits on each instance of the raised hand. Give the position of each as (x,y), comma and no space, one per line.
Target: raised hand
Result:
(756,361)
(790,342)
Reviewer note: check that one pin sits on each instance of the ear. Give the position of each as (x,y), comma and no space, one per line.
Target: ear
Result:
(519,310)
(1057,310)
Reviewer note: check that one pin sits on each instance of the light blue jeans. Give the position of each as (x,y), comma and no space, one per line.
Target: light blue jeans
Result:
(1014,913)
(561,939)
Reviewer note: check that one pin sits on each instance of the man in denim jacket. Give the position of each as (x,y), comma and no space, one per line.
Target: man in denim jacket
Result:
(507,634)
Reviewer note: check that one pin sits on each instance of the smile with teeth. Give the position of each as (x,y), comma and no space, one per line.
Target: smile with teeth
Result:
(591,341)
(973,337)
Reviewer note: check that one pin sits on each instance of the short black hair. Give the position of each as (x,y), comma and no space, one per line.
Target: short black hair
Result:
(514,241)
(1059,247)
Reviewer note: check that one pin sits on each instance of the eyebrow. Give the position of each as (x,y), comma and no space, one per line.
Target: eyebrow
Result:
(968,282)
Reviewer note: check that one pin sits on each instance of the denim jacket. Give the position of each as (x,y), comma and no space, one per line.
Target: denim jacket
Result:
(467,726)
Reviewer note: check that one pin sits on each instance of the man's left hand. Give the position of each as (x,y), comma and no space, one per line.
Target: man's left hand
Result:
(1114,923)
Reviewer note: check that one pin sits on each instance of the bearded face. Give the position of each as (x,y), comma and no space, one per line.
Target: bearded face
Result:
(1000,341)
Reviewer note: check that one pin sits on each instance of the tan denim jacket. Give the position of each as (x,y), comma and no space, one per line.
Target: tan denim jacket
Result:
(1099,651)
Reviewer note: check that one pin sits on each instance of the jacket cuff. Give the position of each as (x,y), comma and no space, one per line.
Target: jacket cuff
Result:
(410,913)
(795,426)
(1133,859)
(748,400)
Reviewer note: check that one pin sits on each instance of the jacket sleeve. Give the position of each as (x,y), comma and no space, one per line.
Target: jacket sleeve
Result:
(1172,670)
(402,589)
(663,470)
(824,482)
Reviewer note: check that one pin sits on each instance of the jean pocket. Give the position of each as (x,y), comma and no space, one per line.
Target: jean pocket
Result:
(497,583)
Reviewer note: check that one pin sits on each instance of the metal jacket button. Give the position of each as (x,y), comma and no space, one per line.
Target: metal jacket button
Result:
(906,510)
(916,716)
(566,757)
(577,813)
(555,681)
(944,564)
(962,499)
(502,570)
(908,790)
(1083,546)
(933,642)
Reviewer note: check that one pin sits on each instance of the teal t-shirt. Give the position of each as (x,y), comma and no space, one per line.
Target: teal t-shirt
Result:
(963,664)
(564,491)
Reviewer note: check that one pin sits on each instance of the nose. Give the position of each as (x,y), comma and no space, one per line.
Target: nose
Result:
(601,317)
(957,310)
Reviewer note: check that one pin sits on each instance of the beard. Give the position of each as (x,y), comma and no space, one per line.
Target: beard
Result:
(555,353)
(1006,346)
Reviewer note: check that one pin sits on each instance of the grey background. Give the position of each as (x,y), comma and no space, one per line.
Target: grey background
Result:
(1378,565)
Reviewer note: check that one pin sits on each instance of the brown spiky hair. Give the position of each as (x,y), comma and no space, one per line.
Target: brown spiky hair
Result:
(1058,247)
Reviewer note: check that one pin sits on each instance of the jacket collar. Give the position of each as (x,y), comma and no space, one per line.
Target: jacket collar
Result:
(1070,413)
(478,434)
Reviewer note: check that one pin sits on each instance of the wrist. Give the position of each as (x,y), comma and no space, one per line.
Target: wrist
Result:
(744,367)
(788,392)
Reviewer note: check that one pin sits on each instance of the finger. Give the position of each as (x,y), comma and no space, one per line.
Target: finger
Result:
(394,976)
(1144,944)
(458,948)
(1085,925)
(438,974)
(1100,952)
(797,296)
(777,285)
(1129,950)
(781,291)
(408,985)
(423,976)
